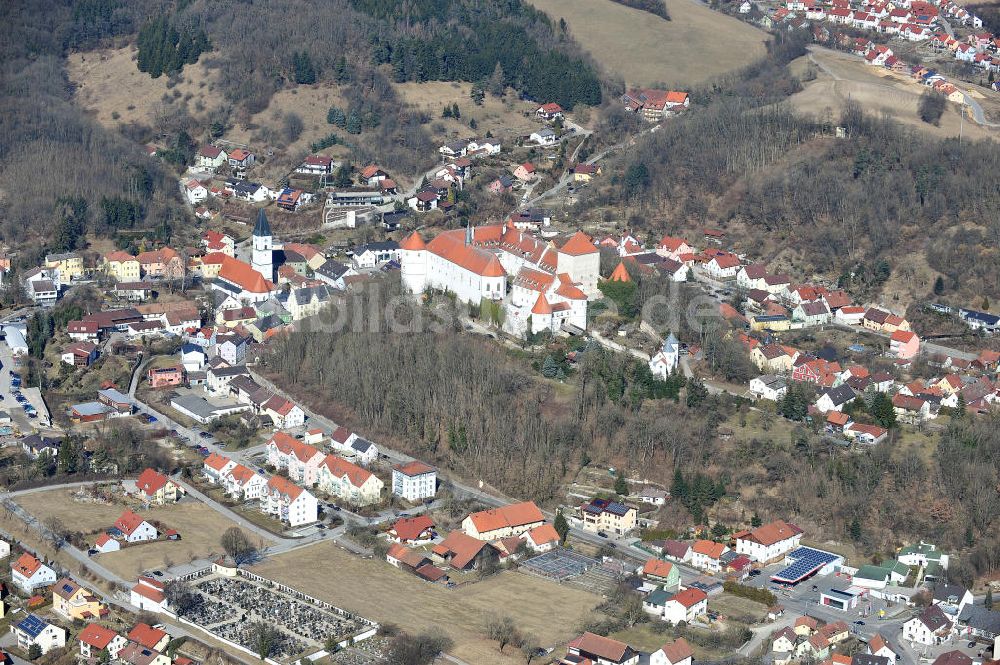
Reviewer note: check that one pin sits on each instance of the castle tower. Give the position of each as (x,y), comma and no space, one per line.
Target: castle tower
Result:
(413,263)
(262,259)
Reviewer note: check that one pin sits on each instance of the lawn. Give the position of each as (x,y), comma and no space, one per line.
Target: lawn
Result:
(644,638)
(696,45)
(737,607)
(378,591)
(200,528)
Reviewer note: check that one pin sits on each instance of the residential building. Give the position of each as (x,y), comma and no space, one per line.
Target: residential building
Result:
(134,529)
(769,542)
(33,630)
(932,626)
(599,650)
(72,601)
(29,574)
(768,386)
(216,467)
(542,538)
(461,552)
(412,530)
(289,502)
(160,377)
(706,554)
(243,483)
(503,522)
(122,266)
(95,638)
(68,266)
(147,594)
(300,459)
(348,481)
(157,488)
(662,573)
(414,481)
(210,157)
(609,517)
(677,652)
(922,554)
(666,360)
(686,605)
(375,254)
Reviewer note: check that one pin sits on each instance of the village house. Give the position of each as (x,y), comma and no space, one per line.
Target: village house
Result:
(412,530)
(243,483)
(904,344)
(29,574)
(414,481)
(599,651)
(462,552)
(677,652)
(661,573)
(707,555)
(95,638)
(686,605)
(542,538)
(549,111)
(159,377)
(32,630)
(929,627)
(769,542)
(72,601)
(216,466)
(768,386)
(210,157)
(134,529)
(608,517)
(503,522)
(80,354)
(156,488)
(147,594)
(68,266)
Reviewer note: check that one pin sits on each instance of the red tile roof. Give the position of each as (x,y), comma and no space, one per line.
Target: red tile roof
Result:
(414,468)
(513,515)
(129,522)
(243,275)
(341,468)
(26,565)
(97,636)
(410,528)
(146,635)
(151,481)
(579,244)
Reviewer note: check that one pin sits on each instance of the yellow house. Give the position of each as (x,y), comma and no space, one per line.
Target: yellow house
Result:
(209,265)
(774,322)
(122,266)
(604,516)
(69,265)
(72,601)
(585,172)
(771,358)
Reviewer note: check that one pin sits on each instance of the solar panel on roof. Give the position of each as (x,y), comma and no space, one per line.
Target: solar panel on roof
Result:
(805,561)
(32,625)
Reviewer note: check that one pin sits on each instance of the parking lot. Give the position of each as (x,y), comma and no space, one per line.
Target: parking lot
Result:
(30,401)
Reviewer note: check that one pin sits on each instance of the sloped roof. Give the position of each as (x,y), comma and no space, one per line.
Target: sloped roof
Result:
(513,515)
(579,244)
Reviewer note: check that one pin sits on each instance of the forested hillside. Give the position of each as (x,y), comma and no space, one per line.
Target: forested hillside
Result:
(58,169)
(489,415)
(842,204)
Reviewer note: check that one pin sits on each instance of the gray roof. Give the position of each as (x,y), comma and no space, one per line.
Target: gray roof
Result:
(262,227)
(980,618)
(840,395)
(332,270)
(362,445)
(943,591)
(236,370)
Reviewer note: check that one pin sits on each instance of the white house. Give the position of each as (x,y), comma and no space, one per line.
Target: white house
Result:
(930,627)
(686,605)
(195,192)
(148,595)
(364,451)
(768,386)
(216,466)
(243,483)
(706,554)
(545,136)
(105,543)
(677,652)
(33,630)
(665,361)
(375,254)
(28,574)
(134,529)
(193,357)
(414,481)
(768,542)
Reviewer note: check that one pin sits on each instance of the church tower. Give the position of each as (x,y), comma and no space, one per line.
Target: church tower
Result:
(262,259)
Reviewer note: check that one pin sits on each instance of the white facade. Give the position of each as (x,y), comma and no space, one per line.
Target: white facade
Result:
(142,533)
(42,577)
(414,486)
(50,637)
(665,362)
(675,612)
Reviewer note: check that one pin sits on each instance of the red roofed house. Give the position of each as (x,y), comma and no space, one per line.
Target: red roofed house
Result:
(134,529)
(154,487)
(316,165)
(105,543)
(549,111)
(414,481)
(95,638)
(769,542)
(661,572)
(677,652)
(410,530)
(241,159)
(525,172)
(30,574)
(148,595)
(723,265)
(591,649)
(904,344)
(686,605)
(210,157)
(149,637)
(505,521)
(542,538)
(460,551)
(705,554)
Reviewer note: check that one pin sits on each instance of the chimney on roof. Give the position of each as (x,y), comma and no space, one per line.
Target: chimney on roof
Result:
(468,232)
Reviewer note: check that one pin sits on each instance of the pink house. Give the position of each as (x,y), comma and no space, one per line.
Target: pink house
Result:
(525,172)
(904,344)
(302,460)
(160,377)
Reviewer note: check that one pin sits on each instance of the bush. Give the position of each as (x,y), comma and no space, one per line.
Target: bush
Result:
(931,107)
(762,596)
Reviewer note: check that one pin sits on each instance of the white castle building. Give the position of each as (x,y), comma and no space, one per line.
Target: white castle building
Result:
(550,287)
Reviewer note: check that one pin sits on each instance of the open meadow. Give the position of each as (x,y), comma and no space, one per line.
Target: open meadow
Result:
(378,591)
(841,76)
(200,528)
(695,46)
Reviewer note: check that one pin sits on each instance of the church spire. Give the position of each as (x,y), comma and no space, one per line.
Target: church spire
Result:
(262,228)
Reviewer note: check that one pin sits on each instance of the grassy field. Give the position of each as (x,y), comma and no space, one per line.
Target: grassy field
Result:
(644,49)
(737,607)
(200,528)
(108,82)
(643,637)
(378,591)
(876,90)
